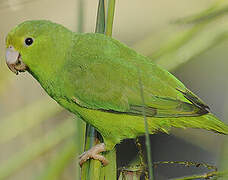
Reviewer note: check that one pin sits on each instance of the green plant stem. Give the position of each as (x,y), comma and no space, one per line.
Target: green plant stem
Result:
(80,139)
(110,171)
(93,169)
(90,170)
(110,18)
(80,15)
(100,24)
(148,147)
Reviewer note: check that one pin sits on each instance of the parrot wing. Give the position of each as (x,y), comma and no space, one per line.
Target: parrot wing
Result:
(113,85)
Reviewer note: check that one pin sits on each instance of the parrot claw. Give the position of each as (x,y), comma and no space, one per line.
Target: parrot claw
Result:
(93,153)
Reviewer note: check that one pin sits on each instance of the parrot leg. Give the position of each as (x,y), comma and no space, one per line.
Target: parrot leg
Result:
(93,153)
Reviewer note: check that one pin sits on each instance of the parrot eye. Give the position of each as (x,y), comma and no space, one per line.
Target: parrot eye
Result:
(28,41)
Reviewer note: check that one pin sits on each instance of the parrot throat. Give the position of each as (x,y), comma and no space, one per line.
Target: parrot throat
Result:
(46,83)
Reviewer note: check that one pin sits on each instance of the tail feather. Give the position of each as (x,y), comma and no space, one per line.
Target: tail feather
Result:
(208,121)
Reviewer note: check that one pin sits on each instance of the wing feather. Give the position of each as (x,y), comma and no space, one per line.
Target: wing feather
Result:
(106,78)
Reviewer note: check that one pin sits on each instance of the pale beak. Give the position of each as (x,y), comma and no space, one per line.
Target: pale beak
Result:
(14,61)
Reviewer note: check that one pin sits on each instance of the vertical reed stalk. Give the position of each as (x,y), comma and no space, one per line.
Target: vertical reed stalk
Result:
(93,169)
(148,147)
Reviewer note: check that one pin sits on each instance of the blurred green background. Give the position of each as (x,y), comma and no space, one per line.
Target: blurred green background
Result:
(40,140)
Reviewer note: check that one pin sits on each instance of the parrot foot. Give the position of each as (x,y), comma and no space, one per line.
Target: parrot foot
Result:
(93,153)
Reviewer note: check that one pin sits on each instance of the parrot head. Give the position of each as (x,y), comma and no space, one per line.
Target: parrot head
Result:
(36,45)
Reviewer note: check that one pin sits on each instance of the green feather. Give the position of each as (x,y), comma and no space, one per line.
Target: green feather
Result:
(96,78)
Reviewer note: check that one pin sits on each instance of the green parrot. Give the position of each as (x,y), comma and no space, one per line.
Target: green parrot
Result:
(98,78)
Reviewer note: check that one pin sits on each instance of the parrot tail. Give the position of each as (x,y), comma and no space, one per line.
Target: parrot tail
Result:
(208,122)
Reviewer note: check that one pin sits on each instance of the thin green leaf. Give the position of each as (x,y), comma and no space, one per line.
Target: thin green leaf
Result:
(214,174)
(189,44)
(185,45)
(26,118)
(57,165)
(36,148)
(217,9)
(148,146)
